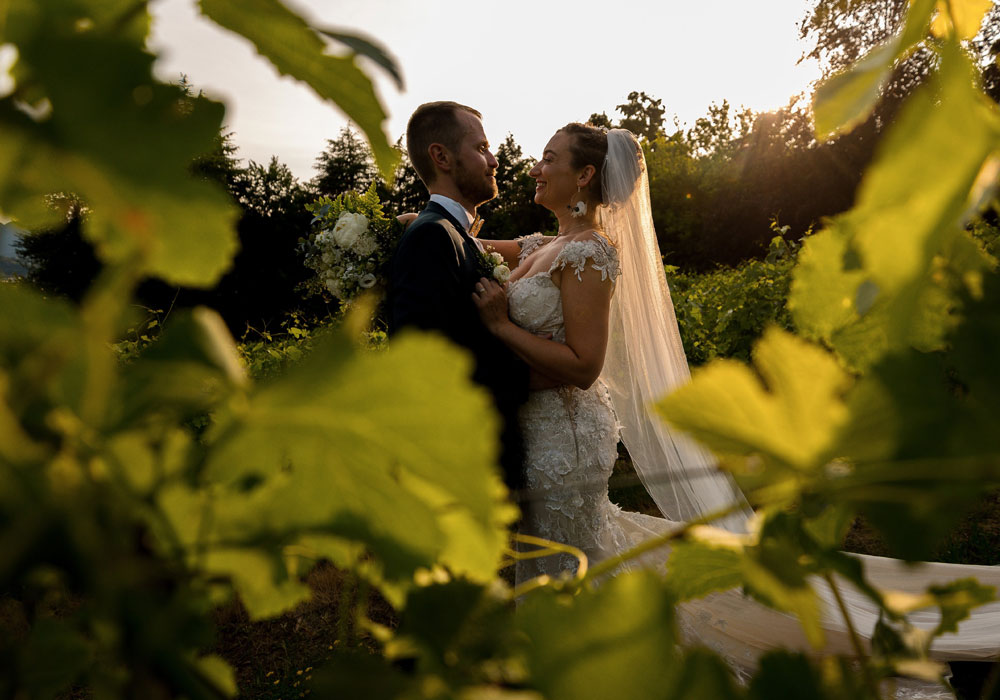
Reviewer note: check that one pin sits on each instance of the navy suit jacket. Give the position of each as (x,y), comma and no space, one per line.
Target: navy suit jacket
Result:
(432,276)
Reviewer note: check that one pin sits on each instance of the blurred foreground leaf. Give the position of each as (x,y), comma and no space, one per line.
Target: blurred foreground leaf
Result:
(296,49)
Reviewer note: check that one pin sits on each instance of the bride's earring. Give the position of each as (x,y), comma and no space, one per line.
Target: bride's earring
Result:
(580,208)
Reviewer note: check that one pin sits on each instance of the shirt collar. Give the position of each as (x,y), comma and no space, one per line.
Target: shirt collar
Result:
(455,209)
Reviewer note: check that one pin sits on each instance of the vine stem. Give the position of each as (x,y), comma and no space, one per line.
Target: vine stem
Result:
(855,637)
(548,548)
(649,545)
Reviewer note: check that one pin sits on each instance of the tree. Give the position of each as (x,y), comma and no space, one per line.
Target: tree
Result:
(345,165)
(261,287)
(642,115)
(407,193)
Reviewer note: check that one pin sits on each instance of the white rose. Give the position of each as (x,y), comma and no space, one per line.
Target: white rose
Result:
(497,258)
(334,287)
(348,227)
(501,273)
(327,258)
(367,281)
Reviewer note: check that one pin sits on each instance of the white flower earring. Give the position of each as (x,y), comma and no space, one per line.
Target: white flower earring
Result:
(580,208)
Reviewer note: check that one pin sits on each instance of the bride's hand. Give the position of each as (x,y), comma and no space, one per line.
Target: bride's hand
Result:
(491,302)
(406,219)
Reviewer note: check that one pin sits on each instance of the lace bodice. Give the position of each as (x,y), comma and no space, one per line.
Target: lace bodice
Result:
(536,302)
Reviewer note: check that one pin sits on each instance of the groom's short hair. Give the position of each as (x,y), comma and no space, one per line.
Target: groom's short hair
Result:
(434,122)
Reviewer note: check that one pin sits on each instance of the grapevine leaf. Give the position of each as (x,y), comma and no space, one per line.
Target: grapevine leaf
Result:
(703,675)
(360,674)
(362,446)
(219,672)
(776,571)
(791,417)
(903,238)
(53,657)
(963,16)
(785,675)
(296,49)
(369,49)
(696,569)
(847,98)
(190,368)
(616,641)
(264,586)
(955,601)
(123,144)
(452,629)
(822,293)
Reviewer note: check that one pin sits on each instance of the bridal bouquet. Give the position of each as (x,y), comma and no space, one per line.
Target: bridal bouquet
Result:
(350,243)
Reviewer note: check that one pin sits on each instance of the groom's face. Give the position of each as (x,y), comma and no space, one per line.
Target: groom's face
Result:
(475,166)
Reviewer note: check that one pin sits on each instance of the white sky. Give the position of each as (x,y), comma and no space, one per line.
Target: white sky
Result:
(529,65)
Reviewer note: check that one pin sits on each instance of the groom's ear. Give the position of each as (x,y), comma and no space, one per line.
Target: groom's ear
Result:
(440,156)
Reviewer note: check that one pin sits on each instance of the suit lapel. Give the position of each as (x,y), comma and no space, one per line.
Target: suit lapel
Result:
(441,211)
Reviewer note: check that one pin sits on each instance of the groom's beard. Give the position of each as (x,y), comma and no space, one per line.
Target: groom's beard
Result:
(475,187)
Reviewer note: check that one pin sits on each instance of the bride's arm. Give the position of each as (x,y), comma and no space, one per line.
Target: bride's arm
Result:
(510,250)
(586,305)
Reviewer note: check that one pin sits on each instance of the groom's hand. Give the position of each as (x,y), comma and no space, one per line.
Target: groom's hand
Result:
(491,302)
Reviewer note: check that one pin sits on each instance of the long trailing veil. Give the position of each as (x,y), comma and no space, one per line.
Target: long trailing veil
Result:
(645,360)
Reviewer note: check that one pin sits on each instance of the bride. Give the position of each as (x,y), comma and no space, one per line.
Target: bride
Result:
(591,310)
(598,290)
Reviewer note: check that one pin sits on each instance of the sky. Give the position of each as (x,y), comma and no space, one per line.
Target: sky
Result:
(530,66)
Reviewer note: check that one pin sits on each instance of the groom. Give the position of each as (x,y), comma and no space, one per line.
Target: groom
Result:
(435,268)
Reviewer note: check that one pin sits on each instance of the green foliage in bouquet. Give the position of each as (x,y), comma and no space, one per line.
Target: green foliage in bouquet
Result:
(351,244)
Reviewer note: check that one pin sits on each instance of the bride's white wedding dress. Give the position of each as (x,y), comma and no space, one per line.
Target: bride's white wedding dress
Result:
(571,437)
(570,434)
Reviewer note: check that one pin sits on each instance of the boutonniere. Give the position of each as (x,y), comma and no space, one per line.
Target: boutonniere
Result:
(492,265)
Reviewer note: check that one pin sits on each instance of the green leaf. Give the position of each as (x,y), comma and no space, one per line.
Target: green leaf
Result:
(189,369)
(264,585)
(823,288)
(847,98)
(785,675)
(955,600)
(961,17)
(369,49)
(697,568)
(296,49)
(616,641)
(360,674)
(903,238)
(460,632)
(53,657)
(791,417)
(776,571)
(123,144)
(362,446)
(219,672)
(703,676)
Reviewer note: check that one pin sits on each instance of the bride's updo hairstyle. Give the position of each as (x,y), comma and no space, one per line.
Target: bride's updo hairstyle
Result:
(589,146)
